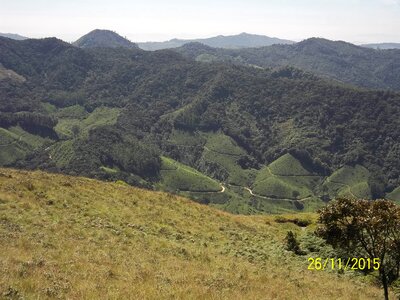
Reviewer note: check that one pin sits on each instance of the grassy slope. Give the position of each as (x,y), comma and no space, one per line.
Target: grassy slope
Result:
(223,151)
(394,195)
(177,176)
(78,238)
(15,143)
(348,181)
(285,178)
(288,165)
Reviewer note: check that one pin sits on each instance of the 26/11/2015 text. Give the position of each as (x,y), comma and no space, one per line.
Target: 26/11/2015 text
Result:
(320,264)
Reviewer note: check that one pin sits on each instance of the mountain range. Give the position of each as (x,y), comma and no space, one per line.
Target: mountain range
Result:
(337,60)
(341,61)
(242,138)
(242,40)
(13,36)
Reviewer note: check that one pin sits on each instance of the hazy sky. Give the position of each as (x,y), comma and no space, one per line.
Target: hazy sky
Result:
(357,21)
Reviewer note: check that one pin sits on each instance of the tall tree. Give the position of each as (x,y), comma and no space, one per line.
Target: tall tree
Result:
(369,229)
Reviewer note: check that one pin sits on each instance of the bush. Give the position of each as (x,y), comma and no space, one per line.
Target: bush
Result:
(292,244)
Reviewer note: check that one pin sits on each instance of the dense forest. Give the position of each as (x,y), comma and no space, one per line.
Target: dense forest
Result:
(114,113)
(337,60)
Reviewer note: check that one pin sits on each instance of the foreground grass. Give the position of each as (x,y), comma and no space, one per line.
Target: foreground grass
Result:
(77,238)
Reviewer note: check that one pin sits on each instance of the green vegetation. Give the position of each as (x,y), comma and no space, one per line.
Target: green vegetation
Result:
(369,229)
(394,195)
(287,165)
(73,237)
(338,60)
(76,116)
(275,187)
(16,143)
(222,159)
(348,181)
(178,177)
(103,38)
(62,153)
(286,178)
(89,111)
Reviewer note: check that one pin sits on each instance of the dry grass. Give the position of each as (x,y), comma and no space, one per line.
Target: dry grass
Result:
(77,238)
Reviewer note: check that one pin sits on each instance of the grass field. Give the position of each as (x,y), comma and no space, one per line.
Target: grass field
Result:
(78,238)
(179,177)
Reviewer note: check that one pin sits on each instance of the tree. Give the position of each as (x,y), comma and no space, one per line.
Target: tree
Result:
(369,229)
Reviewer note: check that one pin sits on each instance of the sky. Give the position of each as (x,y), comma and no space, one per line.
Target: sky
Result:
(356,21)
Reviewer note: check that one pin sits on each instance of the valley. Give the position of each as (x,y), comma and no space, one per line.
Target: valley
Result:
(274,140)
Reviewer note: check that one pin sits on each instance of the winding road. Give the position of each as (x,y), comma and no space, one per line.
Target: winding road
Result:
(270,198)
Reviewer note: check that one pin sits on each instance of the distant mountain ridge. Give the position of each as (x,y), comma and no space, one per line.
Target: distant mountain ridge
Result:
(14,36)
(242,40)
(337,60)
(103,38)
(382,46)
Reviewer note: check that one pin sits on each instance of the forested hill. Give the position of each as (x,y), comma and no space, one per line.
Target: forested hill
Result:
(151,117)
(103,38)
(341,61)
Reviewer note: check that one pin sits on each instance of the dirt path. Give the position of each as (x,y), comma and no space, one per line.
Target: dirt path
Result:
(270,198)
(205,192)
(222,153)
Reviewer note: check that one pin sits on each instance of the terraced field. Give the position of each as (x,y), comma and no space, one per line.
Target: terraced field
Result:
(76,116)
(225,153)
(286,178)
(178,177)
(348,181)
(15,143)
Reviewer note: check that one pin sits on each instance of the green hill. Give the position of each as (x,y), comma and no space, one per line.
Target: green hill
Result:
(103,38)
(178,177)
(73,237)
(348,181)
(221,158)
(287,165)
(286,178)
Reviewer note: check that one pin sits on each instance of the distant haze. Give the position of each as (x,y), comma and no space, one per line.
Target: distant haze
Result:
(356,21)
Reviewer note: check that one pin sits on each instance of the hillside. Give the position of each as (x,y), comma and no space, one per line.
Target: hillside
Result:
(340,61)
(103,38)
(73,237)
(128,114)
(242,40)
